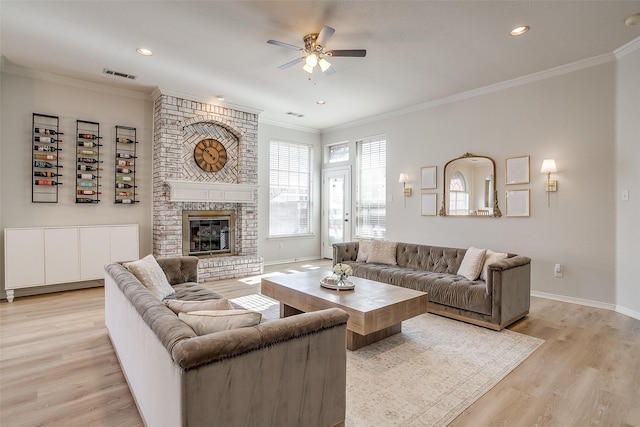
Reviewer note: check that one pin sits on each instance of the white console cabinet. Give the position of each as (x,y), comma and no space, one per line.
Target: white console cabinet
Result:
(50,255)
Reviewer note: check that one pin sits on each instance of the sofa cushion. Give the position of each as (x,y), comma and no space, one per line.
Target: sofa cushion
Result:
(472,263)
(150,274)
(179,306)
(490,258)
(190,291)
(208,321)
(364,248)
(383,252)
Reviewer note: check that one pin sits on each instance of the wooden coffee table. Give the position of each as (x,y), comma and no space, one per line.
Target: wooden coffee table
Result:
(376,310)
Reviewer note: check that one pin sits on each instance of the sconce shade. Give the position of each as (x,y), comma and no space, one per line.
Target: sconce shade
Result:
(548,166)
(403,178)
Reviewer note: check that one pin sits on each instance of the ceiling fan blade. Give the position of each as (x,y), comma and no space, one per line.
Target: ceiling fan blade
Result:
(358,53)
(291,63)
(324,36)
(329,71)
(285,45)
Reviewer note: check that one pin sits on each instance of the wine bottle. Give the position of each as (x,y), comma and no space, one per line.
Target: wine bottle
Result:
(46,139)
(89,184)
(88,176)
(46,148)
(87,152)
(119,185)
(47,131)
(40,164)
(88,168)
(125,178)
(88,144)
(86,200)
(46,182)
(125,156)
(88,160)
(124,163)
(88,192)
(124,170)
(124,201)
(46,174)
(125,193)
(88,136)
(125,140)
(45,156)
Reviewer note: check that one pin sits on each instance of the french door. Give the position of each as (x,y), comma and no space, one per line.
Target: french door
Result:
(336,208)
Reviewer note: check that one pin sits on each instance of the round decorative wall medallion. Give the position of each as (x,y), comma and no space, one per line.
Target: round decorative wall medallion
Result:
(210,155)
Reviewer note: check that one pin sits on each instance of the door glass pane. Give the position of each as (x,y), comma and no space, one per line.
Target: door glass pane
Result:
(336,210)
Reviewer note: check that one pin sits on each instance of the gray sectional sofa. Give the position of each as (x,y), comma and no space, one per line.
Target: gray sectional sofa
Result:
(495,303)
(285,372)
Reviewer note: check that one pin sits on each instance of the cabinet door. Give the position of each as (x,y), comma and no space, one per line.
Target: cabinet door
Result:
(24,258)
(95,252)
(61,255)
(124,243)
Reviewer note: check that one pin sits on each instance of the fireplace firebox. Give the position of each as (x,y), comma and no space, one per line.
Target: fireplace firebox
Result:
(208,233)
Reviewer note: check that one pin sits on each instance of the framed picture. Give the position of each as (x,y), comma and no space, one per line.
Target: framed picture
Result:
(517,170)
(517,202)
(428,204)
(428,179)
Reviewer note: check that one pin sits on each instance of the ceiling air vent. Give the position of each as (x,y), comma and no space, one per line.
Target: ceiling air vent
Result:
(119,74)
(291,113)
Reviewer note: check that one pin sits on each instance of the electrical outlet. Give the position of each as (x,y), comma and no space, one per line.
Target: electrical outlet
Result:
(281,246)
(557,271)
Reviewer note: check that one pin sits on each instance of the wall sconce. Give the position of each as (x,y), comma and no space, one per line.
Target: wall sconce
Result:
(404,178)
(549,166)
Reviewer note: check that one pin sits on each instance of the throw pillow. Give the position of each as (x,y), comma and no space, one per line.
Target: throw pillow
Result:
(208,321)
(364,248)
(490,258)
(472,263)
(383,252)
(179,306)
(150,274)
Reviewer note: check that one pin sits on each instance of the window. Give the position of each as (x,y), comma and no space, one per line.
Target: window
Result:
(371,171)
(458,195)
(339,153)
(290,168)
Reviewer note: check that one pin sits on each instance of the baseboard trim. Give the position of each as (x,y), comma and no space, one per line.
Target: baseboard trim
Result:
(589,303)
(290,260)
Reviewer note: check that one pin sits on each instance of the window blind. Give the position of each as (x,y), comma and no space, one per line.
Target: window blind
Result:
(371,173)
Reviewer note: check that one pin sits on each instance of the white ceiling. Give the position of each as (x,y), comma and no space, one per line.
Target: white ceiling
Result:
(417,51)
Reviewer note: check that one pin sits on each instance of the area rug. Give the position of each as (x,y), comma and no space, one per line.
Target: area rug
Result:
(426,375)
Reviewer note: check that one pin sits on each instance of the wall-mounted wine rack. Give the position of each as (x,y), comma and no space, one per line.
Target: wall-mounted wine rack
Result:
(125,165)
(88,162)
(45,159)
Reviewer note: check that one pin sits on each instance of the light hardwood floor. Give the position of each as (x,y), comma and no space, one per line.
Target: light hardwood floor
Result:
(57,366)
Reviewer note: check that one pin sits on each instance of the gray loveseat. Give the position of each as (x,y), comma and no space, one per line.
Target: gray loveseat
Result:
(496,303)
(285,372)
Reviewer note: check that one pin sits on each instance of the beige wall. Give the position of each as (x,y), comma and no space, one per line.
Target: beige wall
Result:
(26,93)
(627,171)
(569,118)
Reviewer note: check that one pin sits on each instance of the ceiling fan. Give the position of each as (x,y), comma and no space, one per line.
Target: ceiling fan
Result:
(314,52)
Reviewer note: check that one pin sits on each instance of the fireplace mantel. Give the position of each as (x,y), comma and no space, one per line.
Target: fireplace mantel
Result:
(190,191)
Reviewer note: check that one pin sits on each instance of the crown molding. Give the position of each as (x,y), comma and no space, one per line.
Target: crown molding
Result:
(519,81)
(191,97)
(626,49)
(11,68)
(290,126)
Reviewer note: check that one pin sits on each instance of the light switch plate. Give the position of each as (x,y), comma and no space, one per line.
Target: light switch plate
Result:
(625,194)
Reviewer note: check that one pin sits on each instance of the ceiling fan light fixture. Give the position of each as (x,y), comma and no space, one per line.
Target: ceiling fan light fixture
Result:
(307,68)
(311,60)
(324,64)
(518,31)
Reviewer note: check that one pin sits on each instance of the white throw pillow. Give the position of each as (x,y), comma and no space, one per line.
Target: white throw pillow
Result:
(179,306)
(490,258)
(150,274)
(472,263)
(208,321)
(383,252)
(364,248)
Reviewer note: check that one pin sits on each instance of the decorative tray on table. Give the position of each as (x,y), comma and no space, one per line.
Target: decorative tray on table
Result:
(333,283)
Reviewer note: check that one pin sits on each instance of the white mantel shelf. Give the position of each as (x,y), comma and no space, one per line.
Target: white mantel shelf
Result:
(189,191)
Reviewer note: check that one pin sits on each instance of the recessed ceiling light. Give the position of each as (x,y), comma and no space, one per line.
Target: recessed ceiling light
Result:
(632,20)
(518,31)
(220,97)
(144,51)
(321,102)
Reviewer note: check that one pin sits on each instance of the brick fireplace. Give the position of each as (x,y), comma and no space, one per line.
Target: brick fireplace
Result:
(180,185)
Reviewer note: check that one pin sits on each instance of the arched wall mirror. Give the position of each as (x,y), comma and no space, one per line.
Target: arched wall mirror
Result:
(470,187)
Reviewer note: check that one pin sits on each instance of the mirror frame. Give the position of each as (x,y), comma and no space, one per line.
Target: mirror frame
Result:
(496,208)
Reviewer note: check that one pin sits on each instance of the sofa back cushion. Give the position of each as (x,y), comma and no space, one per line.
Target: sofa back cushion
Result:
(430,258)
